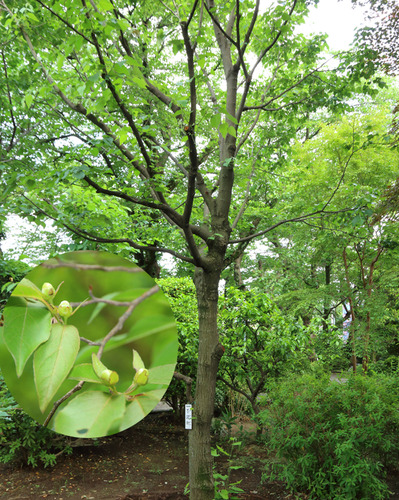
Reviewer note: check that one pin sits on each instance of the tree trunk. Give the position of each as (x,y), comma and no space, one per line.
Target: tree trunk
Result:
(326,305)
(352,332)
(209,353)
(237,272)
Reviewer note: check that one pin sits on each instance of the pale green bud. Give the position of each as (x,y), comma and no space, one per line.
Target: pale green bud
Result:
(110,377)
(48,290)
(65,309)
(141,377)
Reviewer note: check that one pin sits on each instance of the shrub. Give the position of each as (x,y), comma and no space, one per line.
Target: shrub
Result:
(260,342)
(22,440)
(331,350)
(11,271)
(334,440)
(389,366)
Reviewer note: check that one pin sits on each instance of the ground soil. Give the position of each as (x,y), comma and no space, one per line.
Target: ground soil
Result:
(147,462)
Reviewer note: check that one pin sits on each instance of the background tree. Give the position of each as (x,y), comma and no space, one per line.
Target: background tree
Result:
(383,38)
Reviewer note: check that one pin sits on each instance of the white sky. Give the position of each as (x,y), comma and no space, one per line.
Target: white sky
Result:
(336,18)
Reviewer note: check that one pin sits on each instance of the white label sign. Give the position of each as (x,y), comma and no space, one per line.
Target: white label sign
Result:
(188,417)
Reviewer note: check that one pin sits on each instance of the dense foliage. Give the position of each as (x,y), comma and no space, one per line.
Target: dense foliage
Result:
(260,342)
(334,439)
(22,440)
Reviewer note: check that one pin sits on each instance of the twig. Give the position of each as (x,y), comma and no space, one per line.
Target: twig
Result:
(90,342)
(77,388)
(125,316)
(116,329)
(93,267)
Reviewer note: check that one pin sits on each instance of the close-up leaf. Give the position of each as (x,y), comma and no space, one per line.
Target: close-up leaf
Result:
(53,361)
(137,361)
(25,328)
(90,414)
(84,372)
(140,406)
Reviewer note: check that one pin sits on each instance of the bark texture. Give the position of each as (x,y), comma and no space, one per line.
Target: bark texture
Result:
(209,353)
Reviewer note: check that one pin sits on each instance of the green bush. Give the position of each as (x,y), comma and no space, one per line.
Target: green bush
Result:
(182,299)
(330,349)
(11,271)
(389,366)
(261,343)
(334,440)
(22,440)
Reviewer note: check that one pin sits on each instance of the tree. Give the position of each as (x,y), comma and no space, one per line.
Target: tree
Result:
(339,262)
(383,39)
(383,36)
(177,111)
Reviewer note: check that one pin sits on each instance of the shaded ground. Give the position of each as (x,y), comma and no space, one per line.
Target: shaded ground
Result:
(148,461)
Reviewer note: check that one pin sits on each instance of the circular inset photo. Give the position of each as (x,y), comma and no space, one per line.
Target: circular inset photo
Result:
(89,344)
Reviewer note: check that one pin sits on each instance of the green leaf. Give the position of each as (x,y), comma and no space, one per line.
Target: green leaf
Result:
(54,360)
(123,135)
(25,328)
(84,372)
(28,100)
(215,120)
(32,16)
(137,361)
(232,131)
(123,24)
(28,289)
(161,374)
(140,82)
(105,5)
(223,129)
(178,45)
(60,62)
(232,118)
(91,414)
(94,78)
(141,405)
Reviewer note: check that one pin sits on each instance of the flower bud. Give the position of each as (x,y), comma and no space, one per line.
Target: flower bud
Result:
(48,290)
(65,309)
(141,377)
(110,377)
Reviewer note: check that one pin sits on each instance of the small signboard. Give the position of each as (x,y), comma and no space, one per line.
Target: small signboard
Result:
(188,417)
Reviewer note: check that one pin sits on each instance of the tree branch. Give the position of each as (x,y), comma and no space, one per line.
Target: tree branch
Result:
(92,267)
(14,124)
(190,128)
(121,321)
(301,218)
(271,45)
(79,108)
(64,21)
(91,237)
(162,207)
